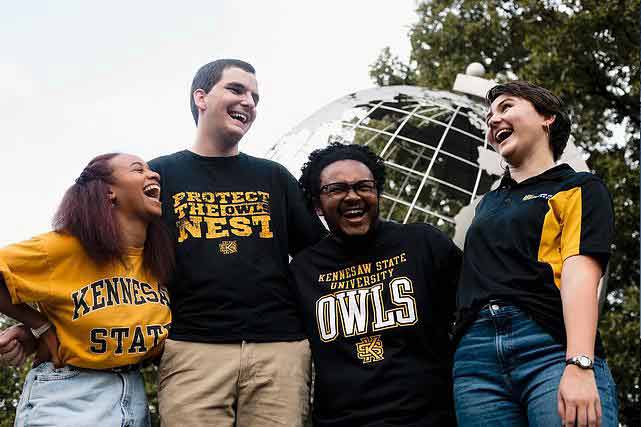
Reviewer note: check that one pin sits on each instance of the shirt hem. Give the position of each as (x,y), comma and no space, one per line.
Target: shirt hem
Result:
(235,339)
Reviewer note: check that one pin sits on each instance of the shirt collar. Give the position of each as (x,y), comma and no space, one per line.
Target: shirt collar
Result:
(552,174)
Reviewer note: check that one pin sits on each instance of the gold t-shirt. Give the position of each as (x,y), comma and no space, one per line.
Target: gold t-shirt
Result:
(105,316)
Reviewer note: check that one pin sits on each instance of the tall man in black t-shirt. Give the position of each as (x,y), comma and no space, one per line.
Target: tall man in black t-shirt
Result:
(236,353)
(376,298)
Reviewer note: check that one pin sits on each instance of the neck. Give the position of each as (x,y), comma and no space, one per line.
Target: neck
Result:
(133,232)
(358,242)
(534,164)
(209,146)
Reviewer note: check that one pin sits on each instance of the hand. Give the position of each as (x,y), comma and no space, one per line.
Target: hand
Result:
(16,344)
(47,349)
(578,398)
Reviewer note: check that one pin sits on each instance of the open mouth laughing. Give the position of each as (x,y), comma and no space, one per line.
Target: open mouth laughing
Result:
(502,134)
(152,191)
(353,214)
(239,116)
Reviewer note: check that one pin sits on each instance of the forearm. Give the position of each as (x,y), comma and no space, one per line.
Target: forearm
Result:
(20,312)
(579,281)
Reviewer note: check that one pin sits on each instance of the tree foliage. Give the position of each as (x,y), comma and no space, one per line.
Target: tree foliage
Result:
(587,52)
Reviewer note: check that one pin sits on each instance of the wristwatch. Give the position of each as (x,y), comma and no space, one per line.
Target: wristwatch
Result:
(583,362)
(39,331)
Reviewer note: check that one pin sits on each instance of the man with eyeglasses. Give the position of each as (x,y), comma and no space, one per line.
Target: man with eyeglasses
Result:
(376,298)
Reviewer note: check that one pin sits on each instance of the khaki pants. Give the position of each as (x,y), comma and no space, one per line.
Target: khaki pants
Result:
(247,384)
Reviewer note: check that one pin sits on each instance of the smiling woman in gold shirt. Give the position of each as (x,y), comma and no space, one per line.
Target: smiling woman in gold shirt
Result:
(97,282)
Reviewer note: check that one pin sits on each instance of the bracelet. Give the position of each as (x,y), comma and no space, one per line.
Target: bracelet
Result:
(39,331)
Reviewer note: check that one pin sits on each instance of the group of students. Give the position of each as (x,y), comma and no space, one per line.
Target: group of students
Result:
(186,260)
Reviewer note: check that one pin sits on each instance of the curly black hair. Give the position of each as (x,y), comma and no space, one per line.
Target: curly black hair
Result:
(319,159)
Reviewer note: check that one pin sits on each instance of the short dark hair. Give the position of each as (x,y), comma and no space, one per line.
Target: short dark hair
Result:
(321,158)
(546,103)
(209,74)
(86,213)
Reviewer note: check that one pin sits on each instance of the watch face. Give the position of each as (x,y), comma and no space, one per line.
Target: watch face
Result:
(584,361)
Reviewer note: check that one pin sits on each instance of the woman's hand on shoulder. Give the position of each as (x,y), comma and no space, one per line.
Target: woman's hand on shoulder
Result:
(578,398)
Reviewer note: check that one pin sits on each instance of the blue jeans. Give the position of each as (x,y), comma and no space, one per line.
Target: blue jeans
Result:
(77,397)
(507,371)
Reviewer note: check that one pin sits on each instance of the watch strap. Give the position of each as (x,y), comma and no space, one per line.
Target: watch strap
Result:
(582,361)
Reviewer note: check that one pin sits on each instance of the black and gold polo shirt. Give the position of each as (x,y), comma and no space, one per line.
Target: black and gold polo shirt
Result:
(520,236)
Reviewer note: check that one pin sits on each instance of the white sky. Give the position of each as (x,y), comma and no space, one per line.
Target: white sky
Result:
(81,78)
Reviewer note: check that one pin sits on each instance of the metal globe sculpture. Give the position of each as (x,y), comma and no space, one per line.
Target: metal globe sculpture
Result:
(429,140)
(433,143)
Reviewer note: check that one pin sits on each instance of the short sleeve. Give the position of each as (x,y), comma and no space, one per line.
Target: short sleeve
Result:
(448,258)
(304,226)
(25,269)
(588,223)
(156,165)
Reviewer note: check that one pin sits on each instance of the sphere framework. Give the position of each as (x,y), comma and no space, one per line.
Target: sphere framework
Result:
(430,142)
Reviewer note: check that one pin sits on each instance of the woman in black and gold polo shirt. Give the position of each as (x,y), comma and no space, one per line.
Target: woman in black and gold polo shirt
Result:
(529,352)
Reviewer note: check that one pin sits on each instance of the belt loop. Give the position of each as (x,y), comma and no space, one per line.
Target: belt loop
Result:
(494,307)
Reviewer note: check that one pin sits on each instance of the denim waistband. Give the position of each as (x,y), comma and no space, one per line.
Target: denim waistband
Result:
(118,369)
(497,307)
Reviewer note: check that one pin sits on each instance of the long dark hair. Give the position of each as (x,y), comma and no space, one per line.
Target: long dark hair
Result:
(87,214)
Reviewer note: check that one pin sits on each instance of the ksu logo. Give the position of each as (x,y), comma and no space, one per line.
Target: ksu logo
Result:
(370,349)
(537,196)
(228,247)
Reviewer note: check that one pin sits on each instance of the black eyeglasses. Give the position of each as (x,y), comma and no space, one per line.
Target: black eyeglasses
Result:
(340,189)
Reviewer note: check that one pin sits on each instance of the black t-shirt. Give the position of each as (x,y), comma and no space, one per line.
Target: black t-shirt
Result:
(377,315)
(234,220)
(520,236)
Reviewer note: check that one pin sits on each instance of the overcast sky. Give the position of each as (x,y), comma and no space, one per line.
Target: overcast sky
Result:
(82,78)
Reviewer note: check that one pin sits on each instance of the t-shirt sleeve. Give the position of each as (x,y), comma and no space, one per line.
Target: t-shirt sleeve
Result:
(449,272)
(448,258)
(588,223)
(304,226)
(26,271)
(293,288)
(156,164)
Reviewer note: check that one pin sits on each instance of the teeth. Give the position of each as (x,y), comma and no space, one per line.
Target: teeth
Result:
(239,116)
(152,190)
(502,134)
(354,212)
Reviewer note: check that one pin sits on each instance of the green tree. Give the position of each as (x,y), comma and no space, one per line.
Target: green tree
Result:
(11,380)
(587,52)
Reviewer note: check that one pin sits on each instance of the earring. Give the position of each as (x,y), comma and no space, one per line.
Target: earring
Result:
(546,128)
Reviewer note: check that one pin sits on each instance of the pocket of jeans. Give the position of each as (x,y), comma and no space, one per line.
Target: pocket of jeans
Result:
(49,373)
(50,383)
